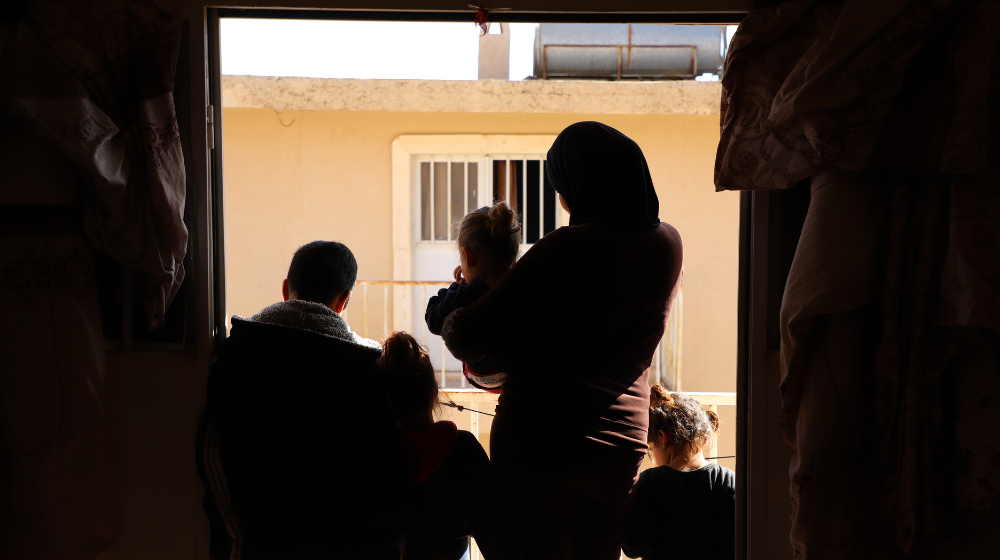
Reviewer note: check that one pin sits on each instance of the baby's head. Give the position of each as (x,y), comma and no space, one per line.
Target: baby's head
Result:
(488,242)
(413,387)
(677,420)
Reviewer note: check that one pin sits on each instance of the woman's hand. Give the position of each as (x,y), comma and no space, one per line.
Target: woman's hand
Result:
(459,279)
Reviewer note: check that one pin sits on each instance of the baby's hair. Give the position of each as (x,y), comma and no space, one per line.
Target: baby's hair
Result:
(413,388)
(680,416)
(493,230)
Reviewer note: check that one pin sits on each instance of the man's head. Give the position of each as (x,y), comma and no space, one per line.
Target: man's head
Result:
(322,272)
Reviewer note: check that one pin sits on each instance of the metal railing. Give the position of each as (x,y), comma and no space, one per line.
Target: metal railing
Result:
(623,68)
(666,365)
(393,309)
(390,296)
(474,401)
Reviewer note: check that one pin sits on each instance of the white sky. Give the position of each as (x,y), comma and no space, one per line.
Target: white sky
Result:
(365,49)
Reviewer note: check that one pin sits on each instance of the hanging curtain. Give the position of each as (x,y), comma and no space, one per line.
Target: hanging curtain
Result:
(891,312)
(96,77)
(93,160)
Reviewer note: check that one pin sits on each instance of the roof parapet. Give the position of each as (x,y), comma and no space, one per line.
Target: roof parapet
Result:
(482,96)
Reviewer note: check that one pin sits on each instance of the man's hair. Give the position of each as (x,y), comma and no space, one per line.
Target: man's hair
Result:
(320,270)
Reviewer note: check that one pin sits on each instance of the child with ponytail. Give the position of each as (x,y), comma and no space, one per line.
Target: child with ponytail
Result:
(488,243)
(684,506)
(444,463)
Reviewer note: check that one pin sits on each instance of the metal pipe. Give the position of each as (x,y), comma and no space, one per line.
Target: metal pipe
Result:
(444,375)
(680,335)
(405,282)
(431,210)
(628,64)
(447,190)
(656,358)
(524,199)
(541,199)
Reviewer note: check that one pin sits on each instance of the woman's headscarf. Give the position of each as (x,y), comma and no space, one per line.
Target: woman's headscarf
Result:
(603,176)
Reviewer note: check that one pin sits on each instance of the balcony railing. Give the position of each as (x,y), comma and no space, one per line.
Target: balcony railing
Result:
(379,307)
(475,401)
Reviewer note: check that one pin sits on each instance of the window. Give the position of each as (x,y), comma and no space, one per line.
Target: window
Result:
(450,186)
(445,188)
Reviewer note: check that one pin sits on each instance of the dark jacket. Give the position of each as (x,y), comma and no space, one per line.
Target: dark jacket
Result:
(449,299)
(295,444)
(683,514)
(457,502)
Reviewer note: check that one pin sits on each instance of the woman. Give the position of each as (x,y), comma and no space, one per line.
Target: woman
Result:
(575,323)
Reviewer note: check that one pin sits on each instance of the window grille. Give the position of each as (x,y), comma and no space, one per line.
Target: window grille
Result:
(449,187)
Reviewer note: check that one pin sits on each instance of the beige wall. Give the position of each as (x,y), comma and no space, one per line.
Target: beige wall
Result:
(295,176)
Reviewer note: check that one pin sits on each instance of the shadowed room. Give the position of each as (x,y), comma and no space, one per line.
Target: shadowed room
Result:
(549,311)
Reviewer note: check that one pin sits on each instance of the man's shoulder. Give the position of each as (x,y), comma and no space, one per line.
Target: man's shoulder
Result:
(261,349)
(250,334)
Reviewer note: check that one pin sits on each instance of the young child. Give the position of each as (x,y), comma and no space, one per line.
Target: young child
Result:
(488,243)
(446,466)
(685,507)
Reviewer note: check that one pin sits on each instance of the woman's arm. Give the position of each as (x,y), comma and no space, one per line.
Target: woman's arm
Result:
(640,532)
(513,310)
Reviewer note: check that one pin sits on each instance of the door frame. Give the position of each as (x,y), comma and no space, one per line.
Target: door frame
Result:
(762,462)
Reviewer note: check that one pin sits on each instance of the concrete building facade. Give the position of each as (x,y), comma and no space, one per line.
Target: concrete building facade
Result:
(310,159)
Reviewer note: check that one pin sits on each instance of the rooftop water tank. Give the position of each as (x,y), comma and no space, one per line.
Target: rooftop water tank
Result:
(620,50)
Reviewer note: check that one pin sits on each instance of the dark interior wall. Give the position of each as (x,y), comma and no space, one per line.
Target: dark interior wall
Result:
(771,222)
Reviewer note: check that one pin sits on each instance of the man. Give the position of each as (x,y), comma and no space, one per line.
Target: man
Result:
(294,443)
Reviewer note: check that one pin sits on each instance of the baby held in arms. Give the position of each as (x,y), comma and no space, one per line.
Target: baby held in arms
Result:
(488,242)
(685,507)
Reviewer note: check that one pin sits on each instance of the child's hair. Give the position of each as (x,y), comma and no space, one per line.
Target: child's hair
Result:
(413,388)
(680,416)
(493,230)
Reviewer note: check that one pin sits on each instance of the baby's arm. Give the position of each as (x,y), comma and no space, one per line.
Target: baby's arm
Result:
(449,299)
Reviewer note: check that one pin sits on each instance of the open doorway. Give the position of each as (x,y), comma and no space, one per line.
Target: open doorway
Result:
(387,163)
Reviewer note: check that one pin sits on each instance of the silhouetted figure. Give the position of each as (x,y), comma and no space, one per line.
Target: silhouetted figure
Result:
(685,507)
(489,240)
(297,439)
(448,468)
(574,324)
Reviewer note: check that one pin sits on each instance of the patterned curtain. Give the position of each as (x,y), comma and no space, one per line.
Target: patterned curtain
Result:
(891,312)
(95,77)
